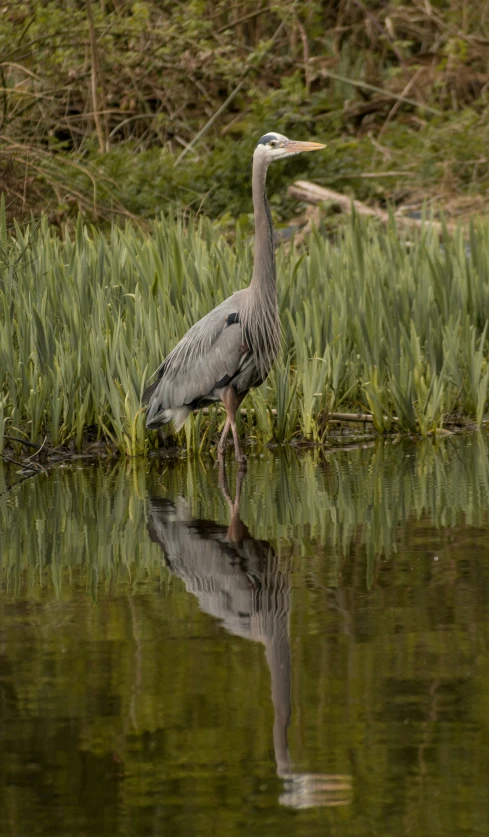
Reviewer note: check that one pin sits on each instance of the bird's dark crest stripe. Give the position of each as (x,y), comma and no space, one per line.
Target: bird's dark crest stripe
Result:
(263,140)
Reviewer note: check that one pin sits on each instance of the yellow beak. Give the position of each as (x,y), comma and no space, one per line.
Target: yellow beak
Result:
(296,147)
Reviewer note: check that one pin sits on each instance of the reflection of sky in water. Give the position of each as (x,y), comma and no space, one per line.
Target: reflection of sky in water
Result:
(347,594)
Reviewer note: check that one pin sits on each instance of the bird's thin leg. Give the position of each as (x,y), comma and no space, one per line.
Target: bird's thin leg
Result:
(231,401)
(240,457)
(221,448)
(239,483)
(237,530)
(223,484)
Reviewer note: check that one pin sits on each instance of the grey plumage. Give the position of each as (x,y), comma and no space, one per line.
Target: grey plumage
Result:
(232,348)
(238,579)
(191,374)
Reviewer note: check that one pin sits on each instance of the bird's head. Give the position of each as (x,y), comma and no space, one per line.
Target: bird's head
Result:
(273,146)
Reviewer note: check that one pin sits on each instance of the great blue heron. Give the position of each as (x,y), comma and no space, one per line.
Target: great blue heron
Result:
(233,347)
(238,580)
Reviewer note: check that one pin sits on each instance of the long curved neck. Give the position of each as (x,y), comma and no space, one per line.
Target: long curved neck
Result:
(278,658)
(264,273)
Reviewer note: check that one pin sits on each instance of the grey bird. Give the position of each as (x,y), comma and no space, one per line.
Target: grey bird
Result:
(240,581)
(233,347)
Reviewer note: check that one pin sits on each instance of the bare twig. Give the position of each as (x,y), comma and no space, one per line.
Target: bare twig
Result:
(22,442)
(236,90)
(402,98)
(97,86)
(242,19)
(365,86)
(305,47)
(21,464)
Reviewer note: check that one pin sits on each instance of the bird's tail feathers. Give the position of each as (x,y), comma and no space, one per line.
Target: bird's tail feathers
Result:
(179,416)
(176,414)
(148,392)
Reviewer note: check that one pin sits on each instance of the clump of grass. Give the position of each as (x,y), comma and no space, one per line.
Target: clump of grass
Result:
(372,322)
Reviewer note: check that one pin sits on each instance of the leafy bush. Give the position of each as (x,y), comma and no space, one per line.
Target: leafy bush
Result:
(99,102)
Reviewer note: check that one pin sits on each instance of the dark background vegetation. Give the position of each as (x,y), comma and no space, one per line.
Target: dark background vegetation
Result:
(98,101)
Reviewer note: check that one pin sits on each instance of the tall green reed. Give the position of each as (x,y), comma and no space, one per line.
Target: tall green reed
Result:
(372,321)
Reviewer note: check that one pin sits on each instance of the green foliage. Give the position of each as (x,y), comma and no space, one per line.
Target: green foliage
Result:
(98,102)
(371,322)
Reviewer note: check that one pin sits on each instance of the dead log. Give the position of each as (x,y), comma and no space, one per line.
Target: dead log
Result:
(314,194)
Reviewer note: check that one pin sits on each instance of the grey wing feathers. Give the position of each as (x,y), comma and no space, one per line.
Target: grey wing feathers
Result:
(208,355)
(200,554)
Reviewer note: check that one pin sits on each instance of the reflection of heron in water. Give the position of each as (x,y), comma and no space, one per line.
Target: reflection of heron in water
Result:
(237,579)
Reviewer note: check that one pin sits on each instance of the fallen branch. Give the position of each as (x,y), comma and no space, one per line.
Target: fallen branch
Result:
(361,417)
(358,418)
(314,194)
(355,417)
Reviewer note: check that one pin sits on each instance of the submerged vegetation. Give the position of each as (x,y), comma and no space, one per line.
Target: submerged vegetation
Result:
(373,322)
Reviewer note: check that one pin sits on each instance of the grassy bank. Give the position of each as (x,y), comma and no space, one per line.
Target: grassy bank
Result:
(372,322)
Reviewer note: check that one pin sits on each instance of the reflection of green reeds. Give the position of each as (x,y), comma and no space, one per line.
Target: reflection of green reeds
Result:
(143,706)
(92,520)
(371,322)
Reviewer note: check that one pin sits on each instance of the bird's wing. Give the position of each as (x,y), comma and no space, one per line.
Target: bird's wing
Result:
(208,356)
(207,565)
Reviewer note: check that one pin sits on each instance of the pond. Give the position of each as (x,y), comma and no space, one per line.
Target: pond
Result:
(302,650)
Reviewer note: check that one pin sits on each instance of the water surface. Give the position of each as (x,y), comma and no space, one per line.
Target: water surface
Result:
(310,658)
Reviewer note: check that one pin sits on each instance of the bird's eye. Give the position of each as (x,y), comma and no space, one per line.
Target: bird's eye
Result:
(272,143)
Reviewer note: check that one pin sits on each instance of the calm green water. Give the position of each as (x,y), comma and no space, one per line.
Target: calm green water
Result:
(313,662)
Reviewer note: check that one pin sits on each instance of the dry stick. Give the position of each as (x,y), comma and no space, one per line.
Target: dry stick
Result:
(305,47)
(213,118)
(383,31)
(355,417)
(23,442)
(242,19)
(236,90)
(34,471)
(365,86)
(22,70)
(103,143)
(397,105)
(375,174)
(305,190)
(36,468)
(359,418)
